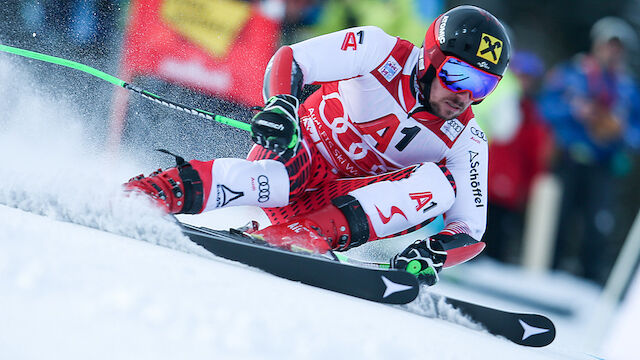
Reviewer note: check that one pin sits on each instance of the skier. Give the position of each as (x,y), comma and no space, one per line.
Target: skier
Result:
(386,144)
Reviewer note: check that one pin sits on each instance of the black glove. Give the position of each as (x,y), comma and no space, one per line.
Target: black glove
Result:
(276,127)
(423,258)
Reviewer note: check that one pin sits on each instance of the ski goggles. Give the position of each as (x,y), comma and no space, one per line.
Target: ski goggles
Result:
(458,76)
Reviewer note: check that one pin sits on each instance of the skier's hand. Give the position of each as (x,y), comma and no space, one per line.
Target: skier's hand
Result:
(276,127)
(423,258)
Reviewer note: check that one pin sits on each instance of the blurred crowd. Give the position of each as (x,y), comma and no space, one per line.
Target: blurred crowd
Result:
(577,119)
(85,25)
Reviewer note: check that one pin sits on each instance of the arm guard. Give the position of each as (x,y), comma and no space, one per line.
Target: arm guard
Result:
(459,247)
(283,75)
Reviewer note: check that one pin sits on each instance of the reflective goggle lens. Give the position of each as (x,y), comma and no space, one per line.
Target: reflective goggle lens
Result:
(457,75)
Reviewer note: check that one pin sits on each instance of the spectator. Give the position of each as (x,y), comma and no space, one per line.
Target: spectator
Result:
(520,148)
(591,104)
(86,25)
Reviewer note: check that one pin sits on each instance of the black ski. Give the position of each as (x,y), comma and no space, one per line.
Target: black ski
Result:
(521,328)
(368,281)
(371,283)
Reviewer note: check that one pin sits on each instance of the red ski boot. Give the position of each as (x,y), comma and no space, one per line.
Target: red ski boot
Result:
(178,190)
(339,226)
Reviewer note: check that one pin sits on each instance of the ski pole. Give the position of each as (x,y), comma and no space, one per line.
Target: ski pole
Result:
(114,80)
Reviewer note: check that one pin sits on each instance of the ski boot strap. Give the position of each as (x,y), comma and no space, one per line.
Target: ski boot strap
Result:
(357,220)
(192,185)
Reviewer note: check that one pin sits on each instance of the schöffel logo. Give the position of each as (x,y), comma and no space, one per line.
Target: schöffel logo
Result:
(224,195)
(474,175)
(264,192)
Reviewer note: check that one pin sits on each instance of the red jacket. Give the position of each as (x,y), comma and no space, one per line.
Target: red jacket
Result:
(514,164)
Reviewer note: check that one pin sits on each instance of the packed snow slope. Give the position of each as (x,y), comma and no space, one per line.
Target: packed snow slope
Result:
(86,272)
(71,292)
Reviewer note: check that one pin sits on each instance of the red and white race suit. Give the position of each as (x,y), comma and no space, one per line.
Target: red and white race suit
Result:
(359,139)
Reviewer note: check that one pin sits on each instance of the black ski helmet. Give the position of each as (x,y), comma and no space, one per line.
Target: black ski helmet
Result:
(469,33)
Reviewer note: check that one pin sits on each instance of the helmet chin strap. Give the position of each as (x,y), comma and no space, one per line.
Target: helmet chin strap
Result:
(422,93)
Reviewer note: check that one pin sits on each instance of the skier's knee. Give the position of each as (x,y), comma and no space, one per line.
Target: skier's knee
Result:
(394,206)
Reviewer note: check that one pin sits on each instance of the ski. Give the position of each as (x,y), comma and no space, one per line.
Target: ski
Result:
(526,329)
(371,281)
(367,282)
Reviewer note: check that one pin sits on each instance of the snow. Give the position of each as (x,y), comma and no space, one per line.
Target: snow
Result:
(86,272)
(622,339)
(73,292)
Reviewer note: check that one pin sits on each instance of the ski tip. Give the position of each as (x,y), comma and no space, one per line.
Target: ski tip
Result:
(537,331)
(398,289)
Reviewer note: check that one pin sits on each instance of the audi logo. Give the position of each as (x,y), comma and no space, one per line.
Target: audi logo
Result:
(478,133)
(263,188)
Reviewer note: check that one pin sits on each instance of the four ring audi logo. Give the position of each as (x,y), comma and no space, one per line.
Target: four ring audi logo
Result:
(263,188)
(478,133)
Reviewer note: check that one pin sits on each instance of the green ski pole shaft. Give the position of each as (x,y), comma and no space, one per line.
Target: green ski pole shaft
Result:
(114,80)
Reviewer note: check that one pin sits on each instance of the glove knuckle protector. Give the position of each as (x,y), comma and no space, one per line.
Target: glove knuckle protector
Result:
(278,124)
(423,258)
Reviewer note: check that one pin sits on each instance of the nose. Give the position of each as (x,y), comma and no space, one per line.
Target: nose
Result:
(463,96)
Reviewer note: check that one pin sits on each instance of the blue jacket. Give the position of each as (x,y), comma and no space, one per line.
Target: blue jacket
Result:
(582,80)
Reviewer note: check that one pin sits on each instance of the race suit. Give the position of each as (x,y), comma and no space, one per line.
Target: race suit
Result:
(364,134)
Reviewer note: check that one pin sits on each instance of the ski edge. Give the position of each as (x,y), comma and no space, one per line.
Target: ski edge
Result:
(381,285)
